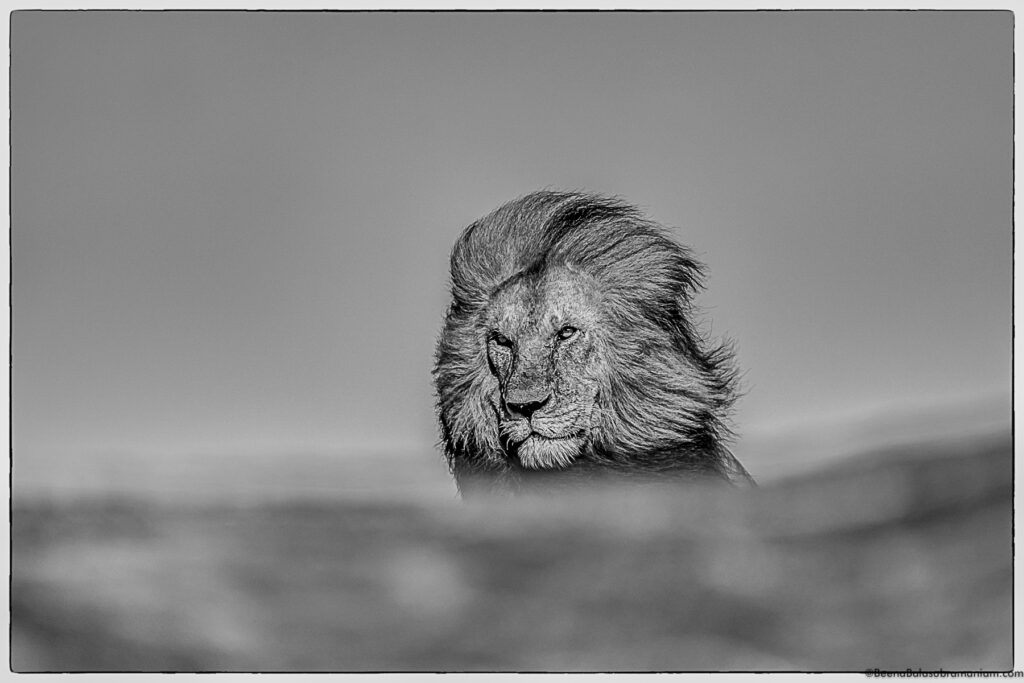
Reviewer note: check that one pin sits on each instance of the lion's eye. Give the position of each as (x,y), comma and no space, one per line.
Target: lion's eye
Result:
(501,339)
(567,332)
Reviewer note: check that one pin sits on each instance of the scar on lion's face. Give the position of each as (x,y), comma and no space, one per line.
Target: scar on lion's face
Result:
(543,346)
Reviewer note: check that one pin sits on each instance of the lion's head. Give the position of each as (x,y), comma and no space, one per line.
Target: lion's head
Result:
(569,349)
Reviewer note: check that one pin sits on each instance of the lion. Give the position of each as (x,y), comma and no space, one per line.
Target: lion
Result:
(569,352)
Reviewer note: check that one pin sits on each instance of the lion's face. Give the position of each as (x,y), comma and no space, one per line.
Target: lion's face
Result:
(568,350)
(543,347)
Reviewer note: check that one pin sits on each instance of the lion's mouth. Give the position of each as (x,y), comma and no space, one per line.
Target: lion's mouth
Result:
(534,449)
(517,431)
(542,442)
(541,452)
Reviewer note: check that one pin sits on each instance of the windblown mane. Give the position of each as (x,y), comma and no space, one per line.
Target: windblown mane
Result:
(665,394)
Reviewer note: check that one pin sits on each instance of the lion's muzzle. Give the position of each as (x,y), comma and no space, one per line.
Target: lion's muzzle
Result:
(523,406)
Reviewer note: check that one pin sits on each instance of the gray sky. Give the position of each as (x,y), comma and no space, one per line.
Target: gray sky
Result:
(231,230)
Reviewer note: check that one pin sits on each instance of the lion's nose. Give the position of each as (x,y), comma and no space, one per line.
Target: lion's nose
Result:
(525,409)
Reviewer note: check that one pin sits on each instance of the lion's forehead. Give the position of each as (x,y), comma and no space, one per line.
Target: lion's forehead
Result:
(568,297)
(540,305)
(510,309)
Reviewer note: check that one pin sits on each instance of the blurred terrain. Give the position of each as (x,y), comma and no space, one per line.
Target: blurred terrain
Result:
(898,557)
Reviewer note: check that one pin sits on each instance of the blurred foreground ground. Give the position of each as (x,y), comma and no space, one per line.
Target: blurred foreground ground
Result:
(900,559)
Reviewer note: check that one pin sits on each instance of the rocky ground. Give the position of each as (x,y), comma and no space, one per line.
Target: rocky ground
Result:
(899,559)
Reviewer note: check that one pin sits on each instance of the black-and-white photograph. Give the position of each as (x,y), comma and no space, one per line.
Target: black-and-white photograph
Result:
(511,341)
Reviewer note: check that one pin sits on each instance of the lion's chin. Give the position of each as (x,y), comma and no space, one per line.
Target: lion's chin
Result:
(537,452)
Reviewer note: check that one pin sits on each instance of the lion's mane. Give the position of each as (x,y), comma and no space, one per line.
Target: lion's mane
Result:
(665,392)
